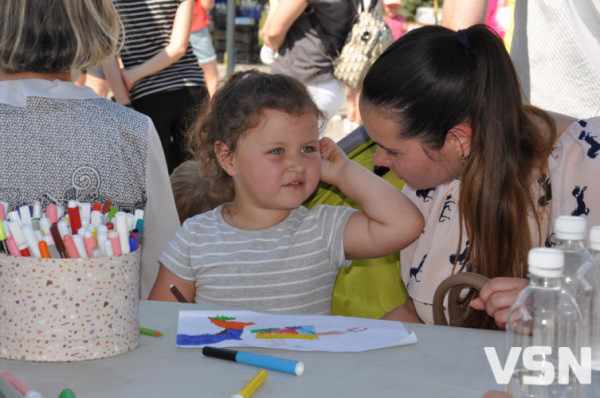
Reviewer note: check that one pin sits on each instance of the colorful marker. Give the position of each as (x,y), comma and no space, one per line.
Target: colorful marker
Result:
(3,237)
(13,249)
(67,393)
(113,238)
(58,242)
(52,213)
(90,243)
(106,206)
(74,216)
(178,295)
(50,246)
(150,332)
(70,247)
(78,240)
(263,361)
(7,390)
(20,386)
(43,248)
(252,385)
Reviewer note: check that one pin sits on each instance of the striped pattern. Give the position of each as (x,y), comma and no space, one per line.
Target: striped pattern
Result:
(148,26)
(289,267)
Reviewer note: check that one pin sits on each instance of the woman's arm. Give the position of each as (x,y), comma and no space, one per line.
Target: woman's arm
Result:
(162,287)
(279,22)
(388,222)
(180,35)
(112,70)
(207,4)
(404,313)
(496,297)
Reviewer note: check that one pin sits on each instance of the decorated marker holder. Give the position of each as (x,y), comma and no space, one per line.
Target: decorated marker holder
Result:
(68,309)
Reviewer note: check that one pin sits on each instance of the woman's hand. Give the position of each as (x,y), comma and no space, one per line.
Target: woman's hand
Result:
(496,297)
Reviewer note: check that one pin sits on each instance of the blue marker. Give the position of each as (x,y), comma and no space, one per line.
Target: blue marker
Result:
(132,244)
(263,361)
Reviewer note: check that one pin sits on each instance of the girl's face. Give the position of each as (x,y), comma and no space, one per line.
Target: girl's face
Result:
(277,164)
(406,157)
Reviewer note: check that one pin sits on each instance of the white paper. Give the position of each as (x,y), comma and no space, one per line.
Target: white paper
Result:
(288,332)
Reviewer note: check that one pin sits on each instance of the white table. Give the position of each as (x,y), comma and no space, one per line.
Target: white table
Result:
(446,362)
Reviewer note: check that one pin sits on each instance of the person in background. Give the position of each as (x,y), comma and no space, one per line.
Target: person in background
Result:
(95,79)
(397,24)
(555,50)
(202,44)
(161,76)
(261,137)
(488,172)
(192,191)
(291,31)
(79,146)
(393,18)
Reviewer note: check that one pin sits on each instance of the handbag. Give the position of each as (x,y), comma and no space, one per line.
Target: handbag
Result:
(367,40)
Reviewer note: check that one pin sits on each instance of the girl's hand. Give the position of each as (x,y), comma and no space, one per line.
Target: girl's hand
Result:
(333,160)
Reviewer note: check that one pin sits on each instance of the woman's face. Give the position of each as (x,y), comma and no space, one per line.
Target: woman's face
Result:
(406,158)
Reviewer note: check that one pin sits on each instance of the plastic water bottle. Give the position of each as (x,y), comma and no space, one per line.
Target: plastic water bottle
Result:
(588,299)
(544,315)
(570,234)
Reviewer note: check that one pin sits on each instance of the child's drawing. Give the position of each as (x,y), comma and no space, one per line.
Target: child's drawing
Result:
(308,333)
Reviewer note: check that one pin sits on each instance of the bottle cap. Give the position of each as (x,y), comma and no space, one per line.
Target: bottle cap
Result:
(570,228)
(595,238)
(546,262)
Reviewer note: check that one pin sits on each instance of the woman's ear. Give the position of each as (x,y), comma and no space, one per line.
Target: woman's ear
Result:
(459,137)
(225,158)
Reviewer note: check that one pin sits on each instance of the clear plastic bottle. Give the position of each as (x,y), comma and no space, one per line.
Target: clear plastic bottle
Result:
(546,315)
(588,299)
(570,238)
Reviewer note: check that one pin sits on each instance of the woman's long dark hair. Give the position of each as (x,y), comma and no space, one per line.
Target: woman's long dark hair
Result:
(433,79)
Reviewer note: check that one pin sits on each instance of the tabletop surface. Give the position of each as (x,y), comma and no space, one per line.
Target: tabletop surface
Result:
(445,362)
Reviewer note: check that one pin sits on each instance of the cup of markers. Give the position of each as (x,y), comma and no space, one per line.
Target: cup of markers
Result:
(69,281)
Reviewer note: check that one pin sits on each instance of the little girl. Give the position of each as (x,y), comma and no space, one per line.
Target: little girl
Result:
(263,250)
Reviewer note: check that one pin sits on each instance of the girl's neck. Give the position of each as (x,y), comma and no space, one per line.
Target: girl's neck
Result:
(252,219)
(64,76)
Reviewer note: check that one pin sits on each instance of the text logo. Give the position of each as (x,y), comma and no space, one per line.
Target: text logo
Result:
(547,372)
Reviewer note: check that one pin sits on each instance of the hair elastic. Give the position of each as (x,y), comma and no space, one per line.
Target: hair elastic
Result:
(246,75)
(463,39)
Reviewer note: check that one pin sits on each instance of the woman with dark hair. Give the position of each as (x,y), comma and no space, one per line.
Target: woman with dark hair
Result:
(488,172)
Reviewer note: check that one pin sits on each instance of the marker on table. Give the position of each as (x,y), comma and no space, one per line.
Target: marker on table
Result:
(67,393)
(252,385)
(7,390)
(263,361)
(150,332)
(20,386)
(178,295)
